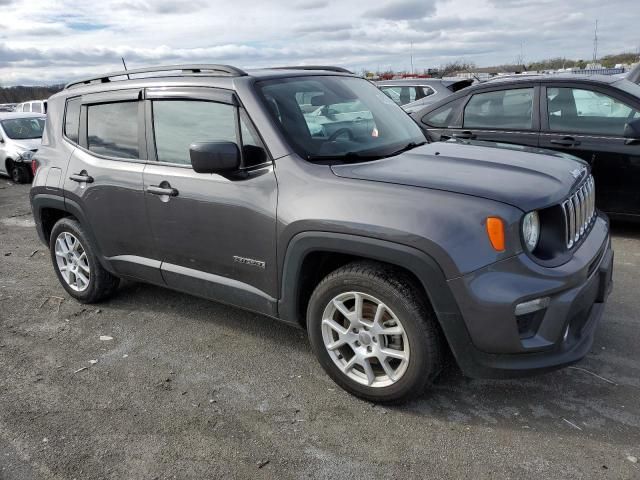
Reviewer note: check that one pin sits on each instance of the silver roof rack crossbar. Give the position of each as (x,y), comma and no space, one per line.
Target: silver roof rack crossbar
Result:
(193,69)
(328,68)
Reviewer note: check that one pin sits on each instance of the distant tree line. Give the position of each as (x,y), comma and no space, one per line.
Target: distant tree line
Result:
(23,94)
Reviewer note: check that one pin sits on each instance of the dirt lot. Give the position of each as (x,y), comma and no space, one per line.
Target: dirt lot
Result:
(193,389)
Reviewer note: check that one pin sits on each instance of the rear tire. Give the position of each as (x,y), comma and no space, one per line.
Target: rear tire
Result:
(395,333)
(76,264)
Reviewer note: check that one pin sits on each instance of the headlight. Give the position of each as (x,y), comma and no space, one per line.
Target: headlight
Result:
(27,155)
(531,230)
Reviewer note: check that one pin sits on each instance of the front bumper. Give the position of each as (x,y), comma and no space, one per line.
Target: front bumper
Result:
(562,333)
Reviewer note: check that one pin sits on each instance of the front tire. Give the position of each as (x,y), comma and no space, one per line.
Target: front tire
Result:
(374,333)
(19,174)
(76,264)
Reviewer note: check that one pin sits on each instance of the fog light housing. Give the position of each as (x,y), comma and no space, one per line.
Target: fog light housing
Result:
(532,306)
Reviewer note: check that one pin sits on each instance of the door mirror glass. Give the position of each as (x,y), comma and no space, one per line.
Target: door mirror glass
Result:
(632,129)
(214,157)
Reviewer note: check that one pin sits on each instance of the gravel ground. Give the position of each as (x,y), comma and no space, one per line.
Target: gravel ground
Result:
(193,389)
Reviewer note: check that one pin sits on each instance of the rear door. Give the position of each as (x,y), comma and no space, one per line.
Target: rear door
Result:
(502,114)
(215,234)
(103,182)
(588,121)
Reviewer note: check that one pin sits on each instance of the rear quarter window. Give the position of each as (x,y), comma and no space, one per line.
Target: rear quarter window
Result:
(72,119)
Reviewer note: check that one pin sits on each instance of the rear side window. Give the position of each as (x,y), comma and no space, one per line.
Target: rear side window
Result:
(179,123)
(26,107)
(72,119)
(112,129)
(587,111)
(504,109)
(36,107)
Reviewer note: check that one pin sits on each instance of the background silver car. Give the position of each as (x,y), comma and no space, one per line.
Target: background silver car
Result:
(20,137)
(412,94)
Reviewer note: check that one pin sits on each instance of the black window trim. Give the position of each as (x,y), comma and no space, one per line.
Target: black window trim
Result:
(603,89)
(535,107)
(117,96)
(198,94)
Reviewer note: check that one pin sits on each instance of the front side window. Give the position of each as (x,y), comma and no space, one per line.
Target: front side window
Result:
(23,128)
(112,129)
(587,111)
(344,117)
(36,107)
(72,119)
(179,123)
(503,109)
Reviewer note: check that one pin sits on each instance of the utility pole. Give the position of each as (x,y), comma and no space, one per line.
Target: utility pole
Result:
(595,43)
(411,58)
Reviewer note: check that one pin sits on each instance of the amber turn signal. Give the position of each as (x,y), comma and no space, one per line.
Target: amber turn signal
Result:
(495,232)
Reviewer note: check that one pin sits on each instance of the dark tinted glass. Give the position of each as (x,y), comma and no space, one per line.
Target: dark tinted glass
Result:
(587,111)
(179,123)
(112,129)
(72,119)
(504,109)
(440,116)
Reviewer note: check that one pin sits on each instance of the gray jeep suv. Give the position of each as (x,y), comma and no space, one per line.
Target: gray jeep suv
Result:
(307,195)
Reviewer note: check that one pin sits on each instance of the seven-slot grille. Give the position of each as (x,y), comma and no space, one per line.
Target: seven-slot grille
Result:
(579,212)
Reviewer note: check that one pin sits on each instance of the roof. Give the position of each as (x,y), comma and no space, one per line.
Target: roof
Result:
(200,71)
(549,77)
(414,81)
(12,115)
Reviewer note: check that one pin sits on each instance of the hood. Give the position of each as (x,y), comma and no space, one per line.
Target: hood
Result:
(526,180)
(28,144)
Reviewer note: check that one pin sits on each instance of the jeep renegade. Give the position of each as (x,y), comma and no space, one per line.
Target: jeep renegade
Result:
(307,195)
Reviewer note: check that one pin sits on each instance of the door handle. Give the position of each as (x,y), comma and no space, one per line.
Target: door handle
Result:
(565,142)
(81,177)
(157,190)
(465,135)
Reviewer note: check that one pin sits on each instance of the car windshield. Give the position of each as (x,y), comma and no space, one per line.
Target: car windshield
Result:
(23,128)
(339,118)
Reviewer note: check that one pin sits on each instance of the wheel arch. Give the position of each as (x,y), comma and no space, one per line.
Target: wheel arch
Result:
(310,255)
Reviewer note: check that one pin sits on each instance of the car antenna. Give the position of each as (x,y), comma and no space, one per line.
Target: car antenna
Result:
(125,68)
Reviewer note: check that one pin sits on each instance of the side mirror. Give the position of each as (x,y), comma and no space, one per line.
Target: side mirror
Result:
(632,132)
(214,157)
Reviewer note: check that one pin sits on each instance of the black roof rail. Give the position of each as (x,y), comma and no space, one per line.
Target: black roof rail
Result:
(192,69)
(328,68)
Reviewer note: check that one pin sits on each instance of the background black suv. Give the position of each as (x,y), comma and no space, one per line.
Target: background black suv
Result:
(596,118)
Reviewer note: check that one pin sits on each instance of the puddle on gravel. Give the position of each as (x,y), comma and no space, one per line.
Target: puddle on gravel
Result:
(18,222)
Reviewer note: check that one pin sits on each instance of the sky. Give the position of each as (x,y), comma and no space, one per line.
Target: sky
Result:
(54,41)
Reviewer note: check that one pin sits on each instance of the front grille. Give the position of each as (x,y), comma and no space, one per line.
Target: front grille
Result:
(579,212)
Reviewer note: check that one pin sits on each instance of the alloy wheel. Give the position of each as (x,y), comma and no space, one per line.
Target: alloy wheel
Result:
(72,261)
(365,339)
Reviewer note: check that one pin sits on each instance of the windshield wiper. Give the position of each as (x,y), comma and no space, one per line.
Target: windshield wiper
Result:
(348,157)
(407,147)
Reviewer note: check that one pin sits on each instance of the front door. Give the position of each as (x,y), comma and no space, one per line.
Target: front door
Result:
(588,122)
(215,234)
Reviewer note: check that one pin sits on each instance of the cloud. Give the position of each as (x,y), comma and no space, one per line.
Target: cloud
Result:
(403,10)
(311,4)
(46,41)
